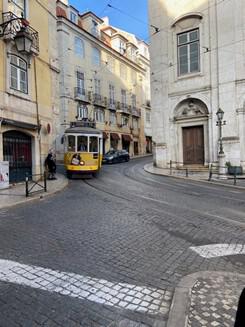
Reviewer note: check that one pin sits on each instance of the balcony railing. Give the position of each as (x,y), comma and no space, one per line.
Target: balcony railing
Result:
(12,24)
(123,107)
(112,104)
(136,112)
(81,94)
(99,100)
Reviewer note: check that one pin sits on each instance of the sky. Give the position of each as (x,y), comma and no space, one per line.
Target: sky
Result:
(129,15)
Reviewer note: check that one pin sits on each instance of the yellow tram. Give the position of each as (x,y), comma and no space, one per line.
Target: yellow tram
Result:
(83,149)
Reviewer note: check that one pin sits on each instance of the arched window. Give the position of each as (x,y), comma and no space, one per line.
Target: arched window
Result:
(18,74)
(79,47)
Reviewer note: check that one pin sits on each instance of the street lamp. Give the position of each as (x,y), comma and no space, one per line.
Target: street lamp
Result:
(221,155)
(23,41)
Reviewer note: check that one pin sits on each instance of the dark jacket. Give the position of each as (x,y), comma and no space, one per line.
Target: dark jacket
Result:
(240,315)
(50,163)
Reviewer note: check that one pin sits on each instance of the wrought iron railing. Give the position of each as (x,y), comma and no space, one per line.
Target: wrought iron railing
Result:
(12,24)
(36,183)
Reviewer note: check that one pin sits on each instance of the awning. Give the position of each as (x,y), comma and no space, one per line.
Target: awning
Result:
(105,136)
(18,124)
(115,136)
(127,138)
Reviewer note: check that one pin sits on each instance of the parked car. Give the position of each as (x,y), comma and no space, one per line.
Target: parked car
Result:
(114,156)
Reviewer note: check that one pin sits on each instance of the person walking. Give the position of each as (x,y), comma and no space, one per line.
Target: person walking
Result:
(51,165)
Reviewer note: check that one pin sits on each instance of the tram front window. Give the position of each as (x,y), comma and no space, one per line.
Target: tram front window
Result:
(82,143)
(93,144)
(71,143)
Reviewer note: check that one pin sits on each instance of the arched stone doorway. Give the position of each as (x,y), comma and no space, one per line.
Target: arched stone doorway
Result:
(17,150)
(191,120)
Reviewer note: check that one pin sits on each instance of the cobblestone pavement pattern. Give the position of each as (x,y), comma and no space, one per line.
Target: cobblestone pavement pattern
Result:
(125,227)
(214,301)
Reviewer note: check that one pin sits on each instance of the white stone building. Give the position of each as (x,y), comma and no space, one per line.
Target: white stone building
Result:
(197,66)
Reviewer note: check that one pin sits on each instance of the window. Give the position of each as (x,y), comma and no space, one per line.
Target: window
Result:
(123,97)
(148,117)
(111,64)
(124,120)
(73,17)
(113,118)
(188,52)
(93,144)
(135,123)
(97,88)
(133,101)
(96,56)
(122,47)
(99,115)
(18,7)
(111,94)
(82,112)
(80,83)
(123,71)
(79,47)
(95,28)
(18,74)
(71,143)
(82,143)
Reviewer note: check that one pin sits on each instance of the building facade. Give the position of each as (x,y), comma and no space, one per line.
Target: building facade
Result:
(103,77)
(28,84)
(197,66)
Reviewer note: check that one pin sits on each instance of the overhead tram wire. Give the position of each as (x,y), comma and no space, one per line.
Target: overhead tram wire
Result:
(133,17)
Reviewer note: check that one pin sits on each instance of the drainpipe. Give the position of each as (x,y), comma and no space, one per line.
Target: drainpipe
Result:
(37,113)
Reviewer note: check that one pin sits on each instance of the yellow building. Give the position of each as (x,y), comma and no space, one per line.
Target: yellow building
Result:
(28,81)
(102,78)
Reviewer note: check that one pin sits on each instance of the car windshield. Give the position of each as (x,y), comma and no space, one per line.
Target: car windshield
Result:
(110,153)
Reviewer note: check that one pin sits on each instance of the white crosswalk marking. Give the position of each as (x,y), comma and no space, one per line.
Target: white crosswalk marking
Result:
(120,295)
(218,250)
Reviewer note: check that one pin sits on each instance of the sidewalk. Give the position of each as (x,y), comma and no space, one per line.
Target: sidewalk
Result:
(206,299)
(15,194)
(202,176)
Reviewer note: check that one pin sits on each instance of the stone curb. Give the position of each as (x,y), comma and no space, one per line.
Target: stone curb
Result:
(150,169)
(178,313)
(37,196)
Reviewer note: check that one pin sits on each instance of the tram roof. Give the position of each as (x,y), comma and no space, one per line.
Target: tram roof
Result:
(83,130)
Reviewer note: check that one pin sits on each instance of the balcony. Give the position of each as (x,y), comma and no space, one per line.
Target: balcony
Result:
(136,112)
(123,108)
(99,100)
(12,24)
(112,104)
(81,94)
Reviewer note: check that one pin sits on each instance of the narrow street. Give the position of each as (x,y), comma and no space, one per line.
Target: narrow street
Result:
(110,251)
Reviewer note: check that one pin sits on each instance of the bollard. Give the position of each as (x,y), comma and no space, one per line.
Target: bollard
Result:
(186,172)
(45,181)
(235,179)
(170,167)
(27,193)
(210,173)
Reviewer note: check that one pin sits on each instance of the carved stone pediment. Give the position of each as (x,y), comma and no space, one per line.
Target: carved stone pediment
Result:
(190,108)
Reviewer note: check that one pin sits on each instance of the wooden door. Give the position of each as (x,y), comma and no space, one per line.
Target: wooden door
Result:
(193,145)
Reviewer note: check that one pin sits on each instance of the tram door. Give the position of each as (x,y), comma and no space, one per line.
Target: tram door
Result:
(17,151)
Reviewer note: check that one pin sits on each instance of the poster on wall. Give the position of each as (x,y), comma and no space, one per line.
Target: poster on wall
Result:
(4,174)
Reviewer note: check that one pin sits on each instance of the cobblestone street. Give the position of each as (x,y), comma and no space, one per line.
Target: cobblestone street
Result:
(112,250)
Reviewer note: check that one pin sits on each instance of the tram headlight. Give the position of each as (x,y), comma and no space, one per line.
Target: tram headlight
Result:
(82,163)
